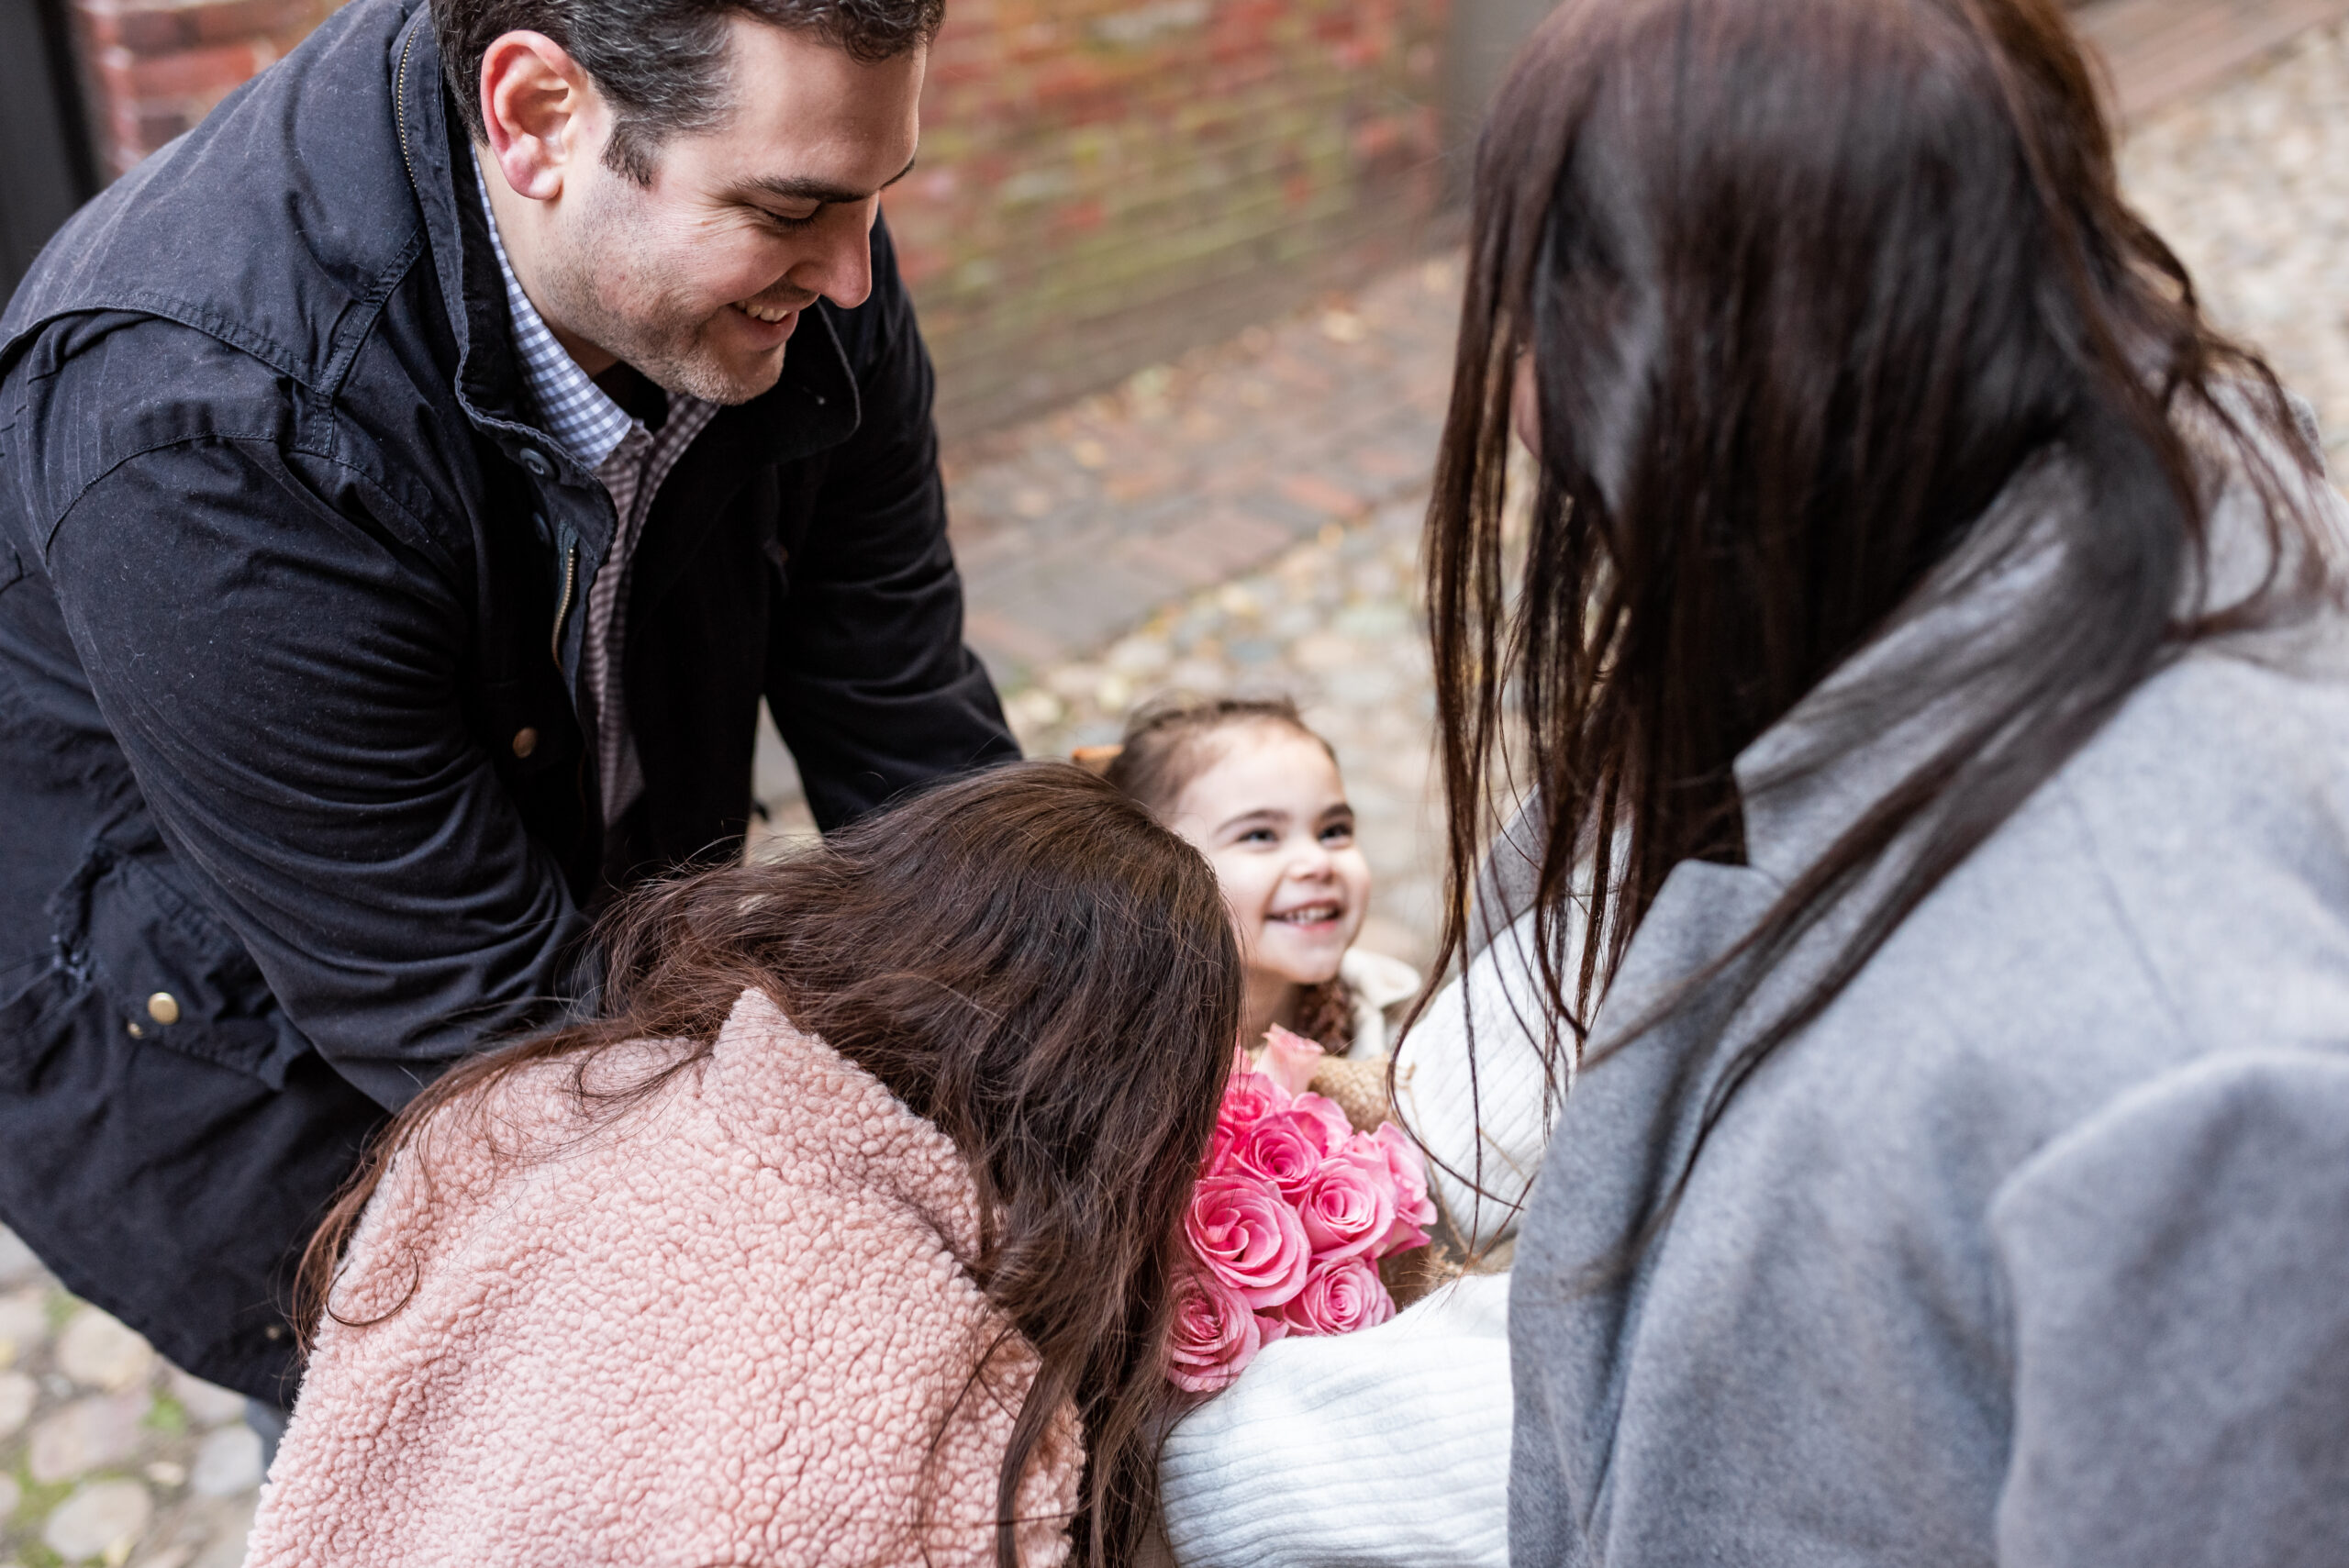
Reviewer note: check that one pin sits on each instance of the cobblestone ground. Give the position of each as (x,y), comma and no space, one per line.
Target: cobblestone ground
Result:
(2250,185)
(1245,520)
(1295,523)
(106,1453)
(1333,623)
(1254,515)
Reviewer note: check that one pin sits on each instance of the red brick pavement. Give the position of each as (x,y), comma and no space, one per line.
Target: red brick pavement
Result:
(1073,528)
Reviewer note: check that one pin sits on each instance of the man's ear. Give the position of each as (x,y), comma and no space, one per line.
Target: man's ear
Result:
(542,113)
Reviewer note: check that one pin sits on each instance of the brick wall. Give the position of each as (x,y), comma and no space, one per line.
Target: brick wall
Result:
(154,69)
(1103,183)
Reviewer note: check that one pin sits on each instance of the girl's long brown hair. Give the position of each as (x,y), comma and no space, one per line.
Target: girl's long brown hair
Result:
(1030,962)
(1791,290)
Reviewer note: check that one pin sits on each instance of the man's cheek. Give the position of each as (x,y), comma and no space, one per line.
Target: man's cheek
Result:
(740,270)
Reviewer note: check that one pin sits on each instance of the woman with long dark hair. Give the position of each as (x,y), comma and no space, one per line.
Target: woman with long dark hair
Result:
(847,1233)
(1922,674)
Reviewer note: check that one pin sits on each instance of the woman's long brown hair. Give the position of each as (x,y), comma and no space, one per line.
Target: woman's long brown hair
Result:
(1789,292)
(1028,961)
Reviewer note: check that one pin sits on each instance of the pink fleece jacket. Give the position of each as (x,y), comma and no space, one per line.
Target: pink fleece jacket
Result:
(730,1329)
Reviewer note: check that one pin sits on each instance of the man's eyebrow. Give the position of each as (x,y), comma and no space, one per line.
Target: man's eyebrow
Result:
(795,190)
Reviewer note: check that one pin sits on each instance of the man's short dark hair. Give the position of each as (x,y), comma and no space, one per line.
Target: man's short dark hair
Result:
(662,62)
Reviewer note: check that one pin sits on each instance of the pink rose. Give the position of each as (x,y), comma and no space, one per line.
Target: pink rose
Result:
(1285,1150)
(1327,1115)
(1222,1144)
(1246,1234)
(1249,1096)
(1402,1237)
(1414,1209)
(1340,1295)
(1349,1206)
(1216,1334)
(1290,1059)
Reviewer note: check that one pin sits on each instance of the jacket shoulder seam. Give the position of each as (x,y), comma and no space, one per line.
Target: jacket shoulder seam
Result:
(194,317)
(225,438)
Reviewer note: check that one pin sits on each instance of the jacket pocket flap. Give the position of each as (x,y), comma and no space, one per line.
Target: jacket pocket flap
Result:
(177,975)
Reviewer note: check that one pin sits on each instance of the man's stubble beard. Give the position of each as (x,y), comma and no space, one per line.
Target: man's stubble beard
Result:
(597,291)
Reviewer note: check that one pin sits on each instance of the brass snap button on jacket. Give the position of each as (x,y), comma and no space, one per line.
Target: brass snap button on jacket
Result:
(163,1008)
(525,740)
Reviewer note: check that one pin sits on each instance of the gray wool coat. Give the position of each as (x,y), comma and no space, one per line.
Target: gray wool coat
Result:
(2033,1249)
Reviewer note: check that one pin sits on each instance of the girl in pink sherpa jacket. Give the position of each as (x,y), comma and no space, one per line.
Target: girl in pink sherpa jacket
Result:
(843,1236)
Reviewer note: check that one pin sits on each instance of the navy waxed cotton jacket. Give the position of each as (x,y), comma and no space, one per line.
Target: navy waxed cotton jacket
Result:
(294,807)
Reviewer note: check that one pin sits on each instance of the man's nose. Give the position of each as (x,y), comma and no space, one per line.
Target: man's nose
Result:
(840,265)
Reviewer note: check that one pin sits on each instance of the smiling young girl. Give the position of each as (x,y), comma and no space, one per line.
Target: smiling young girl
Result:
(1259,794)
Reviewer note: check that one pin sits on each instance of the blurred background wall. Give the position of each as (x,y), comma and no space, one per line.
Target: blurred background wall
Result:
(1103,183)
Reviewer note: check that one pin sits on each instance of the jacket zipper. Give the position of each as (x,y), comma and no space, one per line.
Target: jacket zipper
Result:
(563,605)
(399,104)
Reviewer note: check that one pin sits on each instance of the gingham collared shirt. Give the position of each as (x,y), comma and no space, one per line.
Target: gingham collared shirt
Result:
(631,459)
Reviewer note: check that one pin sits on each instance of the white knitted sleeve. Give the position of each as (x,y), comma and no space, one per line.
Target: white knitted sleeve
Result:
(1501,1113)
(1389,1446)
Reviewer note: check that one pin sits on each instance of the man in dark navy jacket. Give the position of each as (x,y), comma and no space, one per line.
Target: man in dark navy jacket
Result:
(410,483)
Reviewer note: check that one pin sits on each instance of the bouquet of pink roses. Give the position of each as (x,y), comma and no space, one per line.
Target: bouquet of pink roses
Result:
(1292,1211)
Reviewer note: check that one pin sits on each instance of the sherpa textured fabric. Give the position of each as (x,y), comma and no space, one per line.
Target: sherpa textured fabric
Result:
(731,1327)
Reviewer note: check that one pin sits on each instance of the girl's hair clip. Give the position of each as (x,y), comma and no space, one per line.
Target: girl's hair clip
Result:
(1095,758)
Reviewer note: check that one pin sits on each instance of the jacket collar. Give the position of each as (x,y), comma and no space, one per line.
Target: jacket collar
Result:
(798,1104)
(1858,735)
(489,382)
(1812,776)
(570,405)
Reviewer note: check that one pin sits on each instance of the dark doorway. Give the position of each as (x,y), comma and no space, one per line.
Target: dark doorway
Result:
(46,170)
